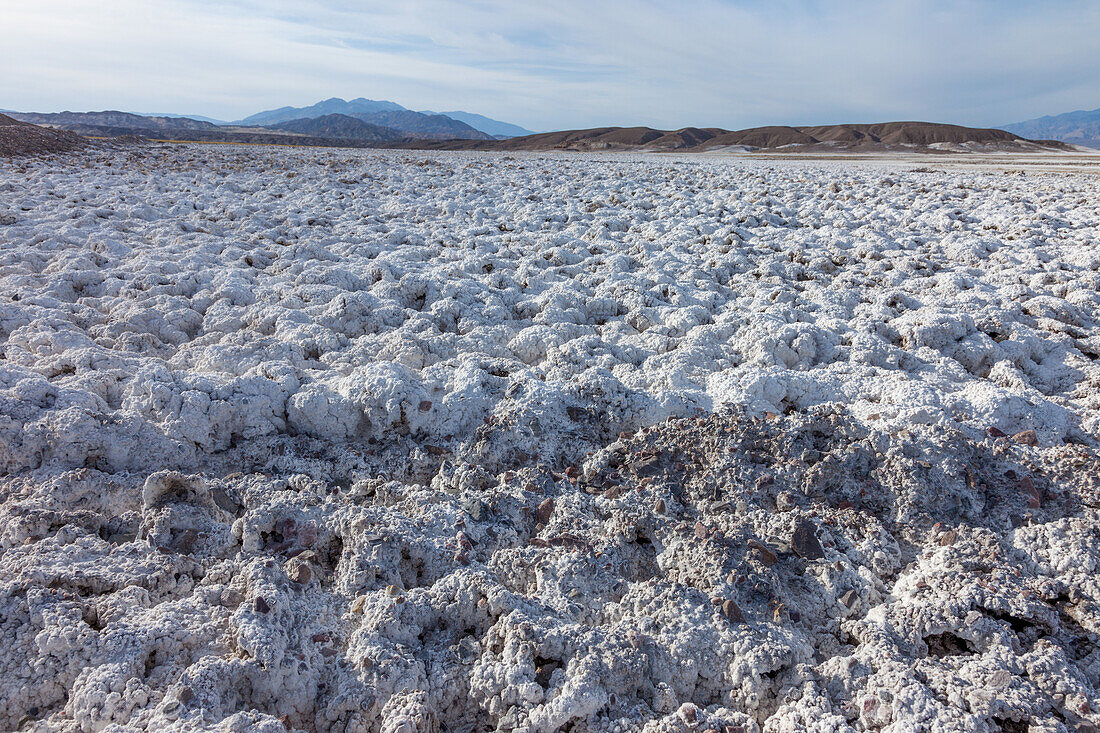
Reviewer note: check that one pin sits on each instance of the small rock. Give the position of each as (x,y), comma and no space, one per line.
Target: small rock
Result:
(849,599)
(545,511)
(308,534)
(766,555)
(1034,499)
(1026,437)
(473,507)
(171,709)
(578,414)
(948,538)
(659,507)
(184,542)
(996,432)
(223,500)
(425,405)
(299,572)
(732,612)
(805,543)
(185,695)
(260,605)
(701,530)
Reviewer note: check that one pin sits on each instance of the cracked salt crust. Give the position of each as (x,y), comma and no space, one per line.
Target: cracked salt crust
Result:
(285,438)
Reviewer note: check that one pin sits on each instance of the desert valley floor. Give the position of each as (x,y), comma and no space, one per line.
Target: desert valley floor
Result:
(363,441)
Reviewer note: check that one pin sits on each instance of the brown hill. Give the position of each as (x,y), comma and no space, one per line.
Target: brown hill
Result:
(22,138)
(886,136)
(762,137)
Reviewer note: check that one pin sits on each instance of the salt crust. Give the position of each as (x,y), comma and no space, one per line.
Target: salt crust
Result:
(278,427)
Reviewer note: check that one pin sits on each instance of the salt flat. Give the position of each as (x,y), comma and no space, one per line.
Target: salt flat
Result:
(345,440)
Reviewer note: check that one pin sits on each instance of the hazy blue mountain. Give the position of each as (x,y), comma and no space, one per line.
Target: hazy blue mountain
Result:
(170,115)
(400,118)
(424,126)
(1080,128)
(496,128)
(340,127)
(334,106)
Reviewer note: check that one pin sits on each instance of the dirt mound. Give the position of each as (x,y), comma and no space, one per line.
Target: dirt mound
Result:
(22,138)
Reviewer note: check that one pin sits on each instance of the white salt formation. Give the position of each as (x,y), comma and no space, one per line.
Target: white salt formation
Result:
(359,441)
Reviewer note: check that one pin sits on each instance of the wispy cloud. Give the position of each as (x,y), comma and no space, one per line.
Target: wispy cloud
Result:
(568,63)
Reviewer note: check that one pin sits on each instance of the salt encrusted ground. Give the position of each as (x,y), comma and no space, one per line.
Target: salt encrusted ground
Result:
(331,440)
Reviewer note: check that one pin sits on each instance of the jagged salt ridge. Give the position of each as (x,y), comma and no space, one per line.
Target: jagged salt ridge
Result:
(374,379)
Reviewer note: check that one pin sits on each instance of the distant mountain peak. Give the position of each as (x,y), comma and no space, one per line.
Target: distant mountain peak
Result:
(340,127)
(1079,128)
(333,105)
(468,122)
(496,128)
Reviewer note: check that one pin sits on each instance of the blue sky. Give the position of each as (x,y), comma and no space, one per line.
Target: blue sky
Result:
(562,64)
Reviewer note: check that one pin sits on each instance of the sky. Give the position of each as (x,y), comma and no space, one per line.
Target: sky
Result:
(562,64)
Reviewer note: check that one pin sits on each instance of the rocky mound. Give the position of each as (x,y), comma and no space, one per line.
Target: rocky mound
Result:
(22,138)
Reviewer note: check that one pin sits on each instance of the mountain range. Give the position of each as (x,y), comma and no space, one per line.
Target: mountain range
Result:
(496,128)
(391,114)
(112,118)
(379,123)
(326,107)
(1080,128)
(338,127)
